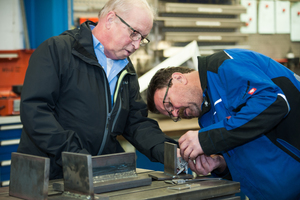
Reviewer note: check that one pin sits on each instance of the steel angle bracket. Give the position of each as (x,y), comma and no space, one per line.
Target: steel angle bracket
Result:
(78,174)
(29,176)
(170,165)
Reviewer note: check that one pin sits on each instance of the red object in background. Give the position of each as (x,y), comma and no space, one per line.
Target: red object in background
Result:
(282,60)
(13,66)
(93,19)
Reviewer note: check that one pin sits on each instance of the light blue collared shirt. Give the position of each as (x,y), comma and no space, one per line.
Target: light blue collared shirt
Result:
(117,65)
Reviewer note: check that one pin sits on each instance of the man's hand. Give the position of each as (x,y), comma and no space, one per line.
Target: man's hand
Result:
(189,144)
(205,164)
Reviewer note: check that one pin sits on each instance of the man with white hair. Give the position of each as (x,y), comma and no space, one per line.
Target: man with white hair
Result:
(81,90)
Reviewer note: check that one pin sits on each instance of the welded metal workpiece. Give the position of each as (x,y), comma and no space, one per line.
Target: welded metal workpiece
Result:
(170,165)
(113,167)
(116,172)
(29,176)
(87,175)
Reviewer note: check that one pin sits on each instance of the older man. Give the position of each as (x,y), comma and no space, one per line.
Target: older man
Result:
(81,90)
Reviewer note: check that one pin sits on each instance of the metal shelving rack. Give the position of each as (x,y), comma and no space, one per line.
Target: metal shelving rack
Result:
(209,24)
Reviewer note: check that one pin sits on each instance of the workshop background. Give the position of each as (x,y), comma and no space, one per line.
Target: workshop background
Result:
(182,30)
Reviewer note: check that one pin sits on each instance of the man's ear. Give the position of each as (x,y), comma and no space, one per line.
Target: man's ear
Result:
(179,77)
(109,19)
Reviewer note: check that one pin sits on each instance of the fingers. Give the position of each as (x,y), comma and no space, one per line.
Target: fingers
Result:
(184,150)
(189,145)
(178,152)
(186,154)
(203,164)
(196,166)
(194,154)
(181,139)
(190,151)
(192,166)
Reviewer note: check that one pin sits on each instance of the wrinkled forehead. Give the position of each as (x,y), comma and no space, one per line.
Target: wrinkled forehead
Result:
(139,20)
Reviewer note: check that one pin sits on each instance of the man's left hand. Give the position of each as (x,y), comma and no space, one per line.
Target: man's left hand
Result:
(204,164)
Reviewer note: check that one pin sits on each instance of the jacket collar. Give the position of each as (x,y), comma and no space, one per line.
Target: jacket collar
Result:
(202,69)
(209,63)
(83,40)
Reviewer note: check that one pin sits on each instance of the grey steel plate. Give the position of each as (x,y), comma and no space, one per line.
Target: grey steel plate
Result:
(29,176)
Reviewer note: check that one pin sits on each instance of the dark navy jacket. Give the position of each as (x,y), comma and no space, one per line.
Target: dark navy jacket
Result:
(251,115)
(66,104)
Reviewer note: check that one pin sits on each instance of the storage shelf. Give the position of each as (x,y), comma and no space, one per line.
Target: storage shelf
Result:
(200,22)
(208,37)
(201,8)
(210,23)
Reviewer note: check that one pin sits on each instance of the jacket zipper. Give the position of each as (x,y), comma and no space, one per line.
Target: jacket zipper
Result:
(123,74)
(109,112)
(117,115)
(108,101)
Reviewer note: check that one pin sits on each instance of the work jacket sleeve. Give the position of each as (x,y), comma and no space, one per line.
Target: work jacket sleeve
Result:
(142,132)
(247,104)
(40,93)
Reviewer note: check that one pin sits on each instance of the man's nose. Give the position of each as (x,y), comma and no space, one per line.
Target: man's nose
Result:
(136,44)
(175,112)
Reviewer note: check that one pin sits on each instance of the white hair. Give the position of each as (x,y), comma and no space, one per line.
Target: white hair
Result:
(125,7)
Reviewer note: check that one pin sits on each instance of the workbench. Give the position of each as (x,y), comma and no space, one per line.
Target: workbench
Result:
(112,176)
(206,189)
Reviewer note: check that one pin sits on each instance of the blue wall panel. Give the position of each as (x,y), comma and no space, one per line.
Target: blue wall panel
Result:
(45,19)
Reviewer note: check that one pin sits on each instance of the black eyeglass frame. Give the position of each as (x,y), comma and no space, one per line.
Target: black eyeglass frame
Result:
(134,31)
(175,119)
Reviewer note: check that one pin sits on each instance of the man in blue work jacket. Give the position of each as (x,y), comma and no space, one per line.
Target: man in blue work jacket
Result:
(248,107)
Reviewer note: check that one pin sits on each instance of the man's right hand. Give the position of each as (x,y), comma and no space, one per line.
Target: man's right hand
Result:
(189,144)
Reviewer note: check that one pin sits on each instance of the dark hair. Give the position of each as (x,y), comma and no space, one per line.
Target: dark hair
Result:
(161,80)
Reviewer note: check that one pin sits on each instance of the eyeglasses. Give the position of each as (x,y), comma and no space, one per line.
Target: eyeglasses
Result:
(169,106)
(135,35)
